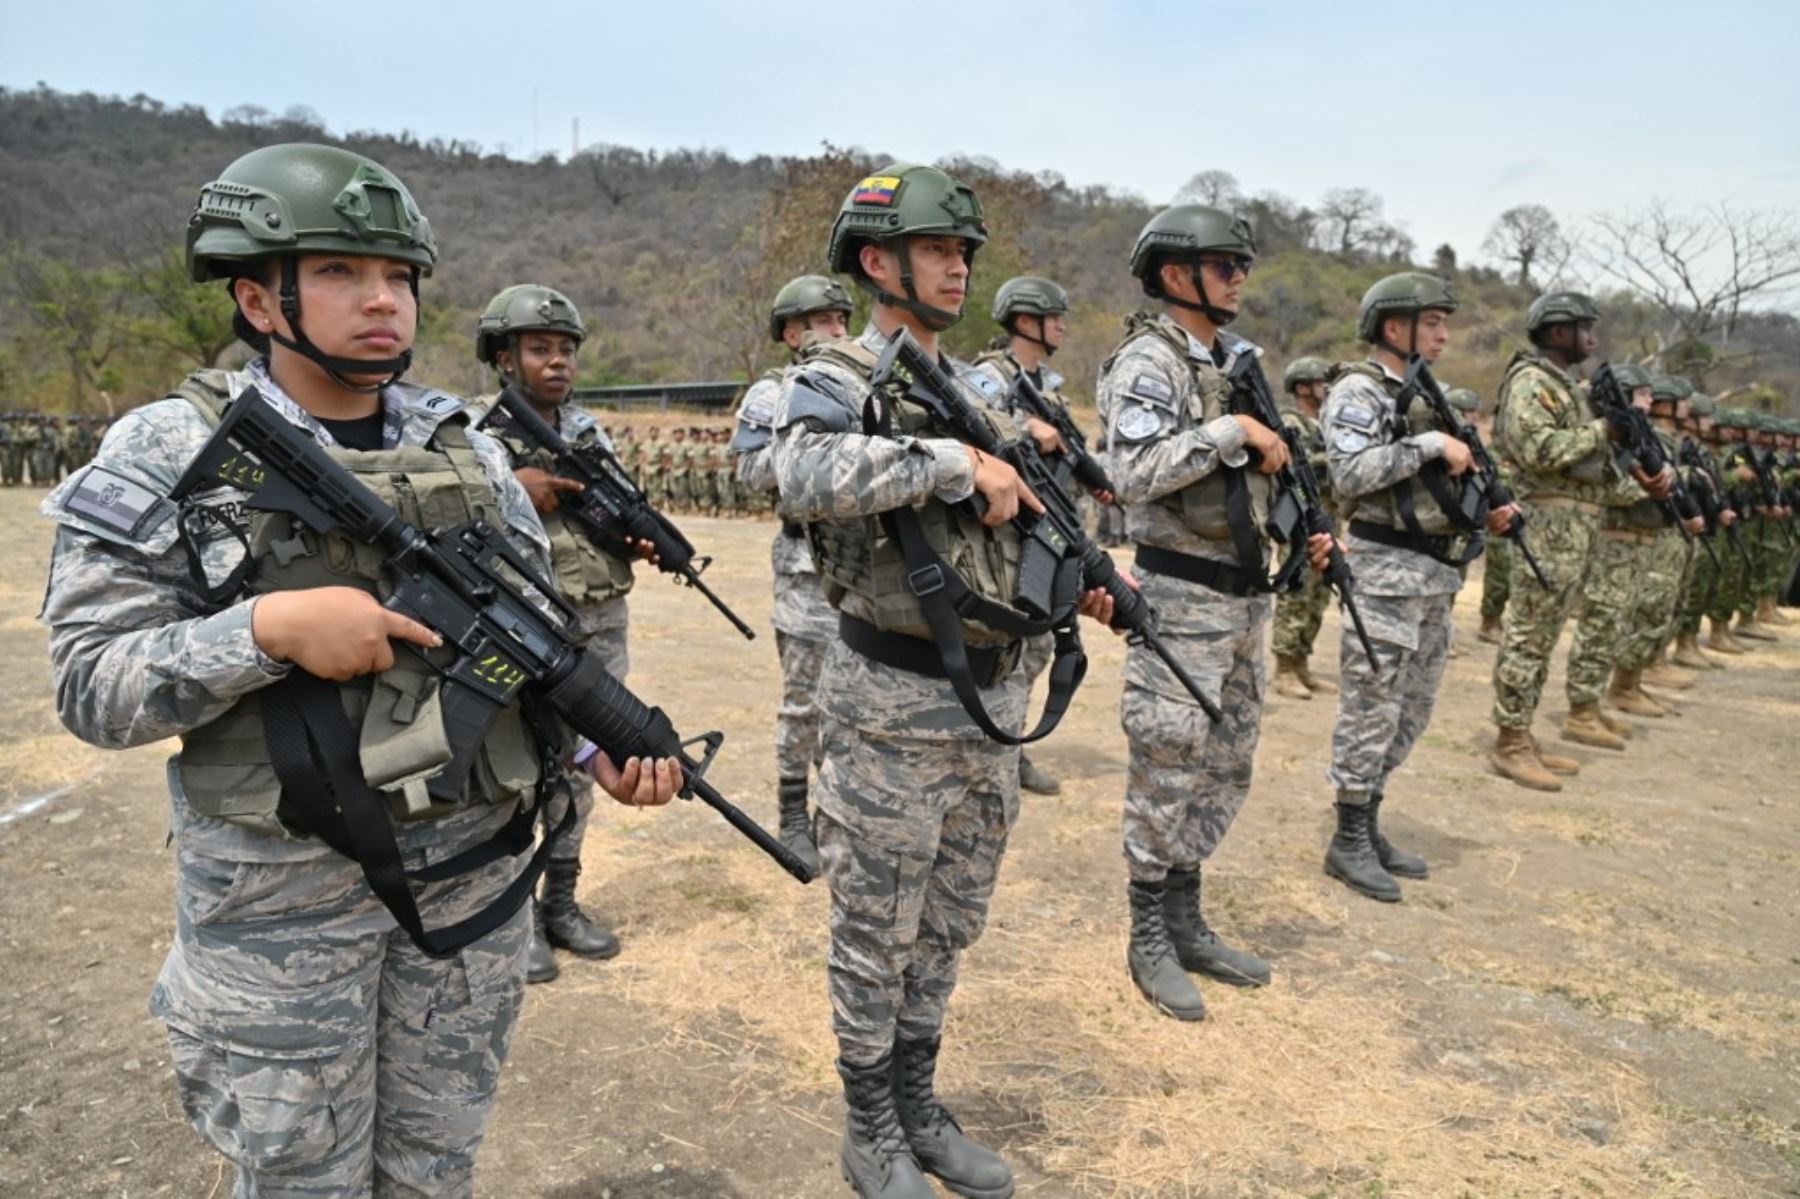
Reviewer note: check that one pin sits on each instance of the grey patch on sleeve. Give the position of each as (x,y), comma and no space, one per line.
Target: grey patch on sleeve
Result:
(759,412)
(1356,416)
(115,504)
(750,437)
(1152,390)
(1349,441)
(817,399)
(1138,423)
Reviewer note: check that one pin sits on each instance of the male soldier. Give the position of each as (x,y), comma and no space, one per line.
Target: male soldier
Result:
(8,450)
(532,336)
(315,1046)
(1033,311)
(1397,472)
(1465,401)
(1771,533)
(811,307)
(1194,504)
(914,802)
(1705,577)
(724,472)
(1737,472)
(653,476)
(1566,470)
(1656,612)
(1298,614)
(678,470)
(28,437)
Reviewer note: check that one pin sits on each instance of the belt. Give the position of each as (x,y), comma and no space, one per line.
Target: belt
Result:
(1431,545)
(792,528)
(1217,576)
(1564,501)
(1637,535)
(989,664)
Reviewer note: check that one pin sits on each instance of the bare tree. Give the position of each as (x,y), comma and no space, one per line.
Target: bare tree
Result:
(1699,270)
(1215,187)
(1348,218)
(1528,235)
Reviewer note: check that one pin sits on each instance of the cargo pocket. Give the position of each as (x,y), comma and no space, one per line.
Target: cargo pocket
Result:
(266,1114)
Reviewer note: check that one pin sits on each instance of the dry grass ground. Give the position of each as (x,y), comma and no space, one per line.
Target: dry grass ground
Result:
(1596,994)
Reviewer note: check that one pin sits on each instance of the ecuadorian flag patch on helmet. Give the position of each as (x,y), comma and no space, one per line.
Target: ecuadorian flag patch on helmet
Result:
(876,189)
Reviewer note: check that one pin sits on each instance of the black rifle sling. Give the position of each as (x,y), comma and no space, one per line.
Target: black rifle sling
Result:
(1241,522)
(314,750)
(947,600)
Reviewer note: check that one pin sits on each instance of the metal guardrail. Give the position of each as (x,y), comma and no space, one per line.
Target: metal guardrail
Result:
(663,396)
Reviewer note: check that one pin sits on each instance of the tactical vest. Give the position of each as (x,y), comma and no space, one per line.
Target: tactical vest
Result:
(1410,505)
(1644,514)
(224,765)
(585,573)
(1204,505)
(1585,480)
(861,566)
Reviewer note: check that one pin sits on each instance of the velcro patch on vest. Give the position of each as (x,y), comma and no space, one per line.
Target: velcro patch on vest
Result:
(1153,390)
(217,514)
(116,503)
(983,382)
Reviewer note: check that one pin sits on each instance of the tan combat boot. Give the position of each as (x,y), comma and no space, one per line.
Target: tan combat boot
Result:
(1622,728)
(1627,696)
(1770,613)
(1747,626)
(1584,727)
(1490,632)
(1287,682)
(1555,763)
(1721,641)
(1661,674)
(1303,668)
(1514,758)
(1689,654)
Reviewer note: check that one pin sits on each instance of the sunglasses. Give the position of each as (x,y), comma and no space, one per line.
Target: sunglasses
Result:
(1228,266)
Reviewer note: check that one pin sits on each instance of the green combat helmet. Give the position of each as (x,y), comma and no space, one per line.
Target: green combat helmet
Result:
(1670,389)
(521,308)
(1631,377)
(1463,399)
(1700,404)
(1182,234)
(283,201)
(1559,308)
(897,202)
(1407,294)
(1304,370)
(804,296)
(1029,295)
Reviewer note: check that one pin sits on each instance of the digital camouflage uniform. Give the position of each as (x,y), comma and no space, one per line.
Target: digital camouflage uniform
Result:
(315,1045)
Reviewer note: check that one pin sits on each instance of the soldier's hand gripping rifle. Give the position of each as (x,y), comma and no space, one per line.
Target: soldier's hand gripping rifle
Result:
(609,507)
(1085,467)
(1768,481)
(475,589)
(1638,444)
(1298,511)
(1710,495)
(1050,539)
(1489,489)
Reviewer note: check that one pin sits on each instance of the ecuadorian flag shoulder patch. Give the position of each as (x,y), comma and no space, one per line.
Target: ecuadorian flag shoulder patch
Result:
(876,189)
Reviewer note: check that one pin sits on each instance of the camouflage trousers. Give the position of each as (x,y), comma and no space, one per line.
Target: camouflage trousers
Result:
(607,627)
(1384,706)
(1731,579)
(1298,615)
(315,1046)
(797,744)
(1651,609)
(1187,778)
(1563,540)
(12,465)
(1606,597)
(911,832)
(1773,562)
(1496,578)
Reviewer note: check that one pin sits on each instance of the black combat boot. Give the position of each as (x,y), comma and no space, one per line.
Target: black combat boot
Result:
(875,1158)
(1396,862)
(1352,860)
(795,830)
(937,1140)
(540,959)
(1197,946)
(566,925)
(1151,957)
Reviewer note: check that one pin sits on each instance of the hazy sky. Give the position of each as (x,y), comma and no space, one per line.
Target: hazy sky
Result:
(1451,111)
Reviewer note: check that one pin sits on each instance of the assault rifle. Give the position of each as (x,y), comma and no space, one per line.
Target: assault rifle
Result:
(1762,461)
(609,507)
(1052,538)
(1298,512)
(1710,495)
(1637,443)
(1490,492)
(1083,465)
(477,591)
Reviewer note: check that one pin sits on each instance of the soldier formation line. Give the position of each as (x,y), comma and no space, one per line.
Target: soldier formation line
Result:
(379,819)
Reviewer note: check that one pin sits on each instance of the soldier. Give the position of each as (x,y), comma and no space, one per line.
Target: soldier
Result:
(652,472)
(1298,614)
(27,441)
(1032,310)
(1395,470)
(1654,625)
(1194,504)
(1738,474)
(8,450)
(1771,530)
(316,1047)
(1465,401)
(914,802)
(678,470)
(724,473)
(1566,471)
(532,335)
(809,308)
(1704,578)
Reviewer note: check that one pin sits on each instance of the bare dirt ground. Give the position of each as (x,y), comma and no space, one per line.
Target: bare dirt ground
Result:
(1596,993)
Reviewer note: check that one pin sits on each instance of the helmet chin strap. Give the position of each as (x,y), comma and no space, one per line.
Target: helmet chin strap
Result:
(338,368)
(933,318)
(1383,343)
(1212,312)
(515,378)
(1013,329)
